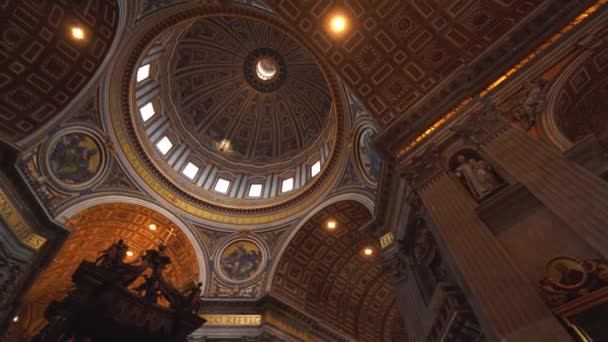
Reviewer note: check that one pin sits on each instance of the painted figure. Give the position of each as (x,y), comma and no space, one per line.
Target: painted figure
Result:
(372,163)
(241,263)
(75,159)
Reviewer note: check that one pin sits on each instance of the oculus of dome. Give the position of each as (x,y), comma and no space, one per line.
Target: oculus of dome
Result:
(265,70)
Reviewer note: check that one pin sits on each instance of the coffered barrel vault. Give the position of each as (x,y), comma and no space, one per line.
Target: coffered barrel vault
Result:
(42,65)
(399,51)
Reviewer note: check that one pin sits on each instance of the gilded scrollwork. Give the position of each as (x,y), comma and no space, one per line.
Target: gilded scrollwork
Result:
(568,278)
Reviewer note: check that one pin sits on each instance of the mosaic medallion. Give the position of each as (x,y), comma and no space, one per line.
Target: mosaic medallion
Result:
(75,159)
(240,261)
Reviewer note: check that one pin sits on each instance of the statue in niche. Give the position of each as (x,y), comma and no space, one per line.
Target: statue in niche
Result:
(478,175)
(532,102)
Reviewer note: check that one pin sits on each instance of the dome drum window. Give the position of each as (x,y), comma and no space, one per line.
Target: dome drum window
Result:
(315,169)
(143,73)
(255,190)
(164,145)
(222,185)
(190,170)
(147,111)
(287,185)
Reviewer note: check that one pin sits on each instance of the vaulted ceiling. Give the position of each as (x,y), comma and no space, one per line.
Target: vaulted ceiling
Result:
(216,96)
(95,229)
(43,68)
(583,100)
(326,275)
(396,52)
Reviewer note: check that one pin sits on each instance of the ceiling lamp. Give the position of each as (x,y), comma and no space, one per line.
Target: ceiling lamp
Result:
(331,224)
(129,254)
(152,226)
(77,33)
(368,251)
(223,145)
(338,23)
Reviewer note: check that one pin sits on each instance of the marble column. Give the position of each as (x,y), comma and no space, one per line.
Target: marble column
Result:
(407,293)
(506,303)
(574,194)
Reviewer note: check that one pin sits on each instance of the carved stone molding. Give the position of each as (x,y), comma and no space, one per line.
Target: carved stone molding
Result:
(483,124)
(423,168)
(450,317)
(396,263)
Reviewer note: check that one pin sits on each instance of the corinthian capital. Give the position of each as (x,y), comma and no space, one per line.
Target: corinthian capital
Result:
(483,124)
(423,167)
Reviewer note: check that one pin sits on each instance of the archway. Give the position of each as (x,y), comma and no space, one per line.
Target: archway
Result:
(325,273)
(578,102)
(94,229)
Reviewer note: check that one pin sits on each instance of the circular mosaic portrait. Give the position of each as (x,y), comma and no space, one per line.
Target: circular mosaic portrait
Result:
(369,161)
(240,261)
(75,159)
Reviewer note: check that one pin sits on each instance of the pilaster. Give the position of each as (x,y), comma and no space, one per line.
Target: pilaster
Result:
(578,197)
(508,307)
(407,293)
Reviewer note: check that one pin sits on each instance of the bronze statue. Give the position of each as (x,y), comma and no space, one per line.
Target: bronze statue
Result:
(101,307)
(157,261)
(113,256)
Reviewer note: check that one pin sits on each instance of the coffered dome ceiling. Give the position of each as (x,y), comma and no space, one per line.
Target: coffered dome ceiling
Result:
(227,114)
(218,94)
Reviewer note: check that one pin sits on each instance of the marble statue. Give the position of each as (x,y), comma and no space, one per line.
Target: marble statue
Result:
(532,102)
(478,176)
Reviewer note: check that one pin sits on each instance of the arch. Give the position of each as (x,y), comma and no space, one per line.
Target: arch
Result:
(94,226)
(547,119)
(577,101)
(366,201)
(87,202)
(325,274)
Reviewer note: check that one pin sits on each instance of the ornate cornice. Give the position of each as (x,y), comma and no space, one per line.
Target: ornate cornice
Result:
(482,125)
(476,77)
(424,168)
(395,262)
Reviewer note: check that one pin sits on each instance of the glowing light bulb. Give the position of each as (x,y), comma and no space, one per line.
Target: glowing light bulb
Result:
(129,253)
(331,224)
(15,319)
(224,145)
(77,33)
(152,226)
(338,24)
(368,251)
